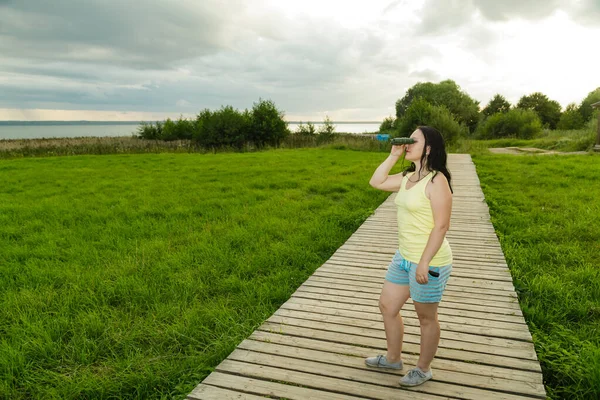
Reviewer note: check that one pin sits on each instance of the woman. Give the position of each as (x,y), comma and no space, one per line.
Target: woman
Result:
(424,202)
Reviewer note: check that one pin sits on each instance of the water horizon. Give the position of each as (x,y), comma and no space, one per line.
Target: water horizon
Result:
(11,130)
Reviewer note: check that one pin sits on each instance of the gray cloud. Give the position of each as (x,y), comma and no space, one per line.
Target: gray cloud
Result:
(392,5)
(426,74)
(507,9)
(587,12)
(186,55)
(439,16)
(443,16)
(147,35)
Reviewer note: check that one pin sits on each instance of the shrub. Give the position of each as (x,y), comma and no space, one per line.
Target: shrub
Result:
(168,131)
(585,109)
(306,130)
(147,131)
(267,124)
(516,123)
(387,125)
(548,110)
(421,112)
(570,119)
(225,127)
(184,128)
(326,131)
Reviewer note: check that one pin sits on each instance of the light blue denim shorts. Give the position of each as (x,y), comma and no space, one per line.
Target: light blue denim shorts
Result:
(403,272)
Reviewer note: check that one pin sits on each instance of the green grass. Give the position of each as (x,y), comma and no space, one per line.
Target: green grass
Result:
(132,276)
(546,212)
(19,148)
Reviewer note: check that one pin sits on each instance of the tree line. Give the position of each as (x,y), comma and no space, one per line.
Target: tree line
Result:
(456,114)
(262,126)
(442,105)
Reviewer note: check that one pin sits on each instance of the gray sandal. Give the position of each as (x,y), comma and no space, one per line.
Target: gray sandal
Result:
(380,361)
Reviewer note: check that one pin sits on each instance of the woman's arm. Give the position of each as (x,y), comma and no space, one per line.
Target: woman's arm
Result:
(441,206)
(381,180)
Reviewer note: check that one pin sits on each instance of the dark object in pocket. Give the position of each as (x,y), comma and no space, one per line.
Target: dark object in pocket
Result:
(433,273)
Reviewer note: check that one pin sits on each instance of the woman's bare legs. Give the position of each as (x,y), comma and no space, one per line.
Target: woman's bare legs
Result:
(430,333)
(392,299)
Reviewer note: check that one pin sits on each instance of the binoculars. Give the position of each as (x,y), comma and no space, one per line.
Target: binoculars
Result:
(401,140)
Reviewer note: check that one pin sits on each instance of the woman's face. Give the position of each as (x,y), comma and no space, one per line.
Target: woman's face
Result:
(415,150)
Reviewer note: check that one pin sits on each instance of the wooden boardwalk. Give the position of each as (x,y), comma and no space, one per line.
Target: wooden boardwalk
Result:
(314,346)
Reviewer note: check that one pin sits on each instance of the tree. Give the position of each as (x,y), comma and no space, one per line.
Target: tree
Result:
(306,130)
(446,93)
(326,131)
(516,123)
(571,118)
(496,105)
(585,109)
(548,110)
(388,124)
(420,112)
(267,125)
(224,127)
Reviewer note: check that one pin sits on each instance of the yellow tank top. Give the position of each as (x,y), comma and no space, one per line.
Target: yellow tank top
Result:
(415,223)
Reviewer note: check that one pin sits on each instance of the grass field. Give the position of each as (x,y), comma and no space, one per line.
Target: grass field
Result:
(546,212)
(133,275)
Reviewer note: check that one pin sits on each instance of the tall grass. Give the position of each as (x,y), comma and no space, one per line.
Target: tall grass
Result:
(132,276)
(545,211)
(17,148)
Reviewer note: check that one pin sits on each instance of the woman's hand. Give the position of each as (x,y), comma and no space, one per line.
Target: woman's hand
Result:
(421,274)
(398,150)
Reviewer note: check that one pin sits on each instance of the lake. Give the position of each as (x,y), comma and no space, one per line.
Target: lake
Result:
(51,129)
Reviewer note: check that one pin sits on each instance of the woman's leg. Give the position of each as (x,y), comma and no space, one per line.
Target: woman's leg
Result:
(392,299)
(430,333)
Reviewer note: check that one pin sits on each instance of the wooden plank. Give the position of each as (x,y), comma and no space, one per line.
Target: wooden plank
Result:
(365,268)
(491,252)
(323,383)
(408,347)
(490,241)
(270,389)
(493,372)
(466,283)
(385,259)
(410,313)
(354,357)
(456,342)
(345,266)
(444,306)
(207,392)
(410,318)
(449,300)
(412,329)
(449,297)
(376,269)
(501,301)
(363,375)
(357,283)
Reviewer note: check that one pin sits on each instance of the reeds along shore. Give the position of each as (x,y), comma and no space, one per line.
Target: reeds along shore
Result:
(15,148)
(581,140)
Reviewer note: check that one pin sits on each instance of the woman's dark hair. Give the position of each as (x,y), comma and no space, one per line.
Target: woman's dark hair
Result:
(436,160)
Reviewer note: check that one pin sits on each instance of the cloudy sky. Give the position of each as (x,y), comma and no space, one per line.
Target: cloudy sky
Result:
(144,59)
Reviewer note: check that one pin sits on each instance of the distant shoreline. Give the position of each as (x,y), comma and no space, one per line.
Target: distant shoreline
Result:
(54,123)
